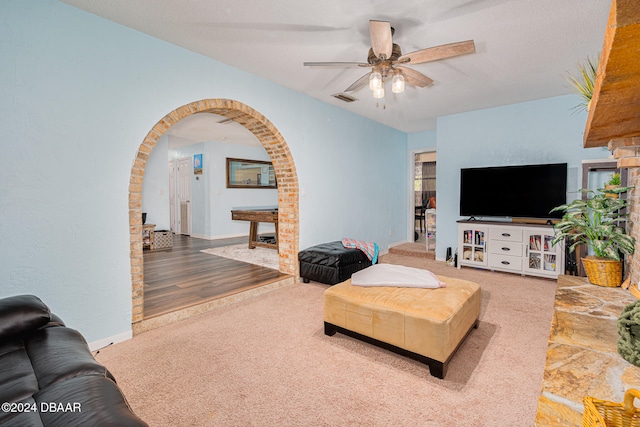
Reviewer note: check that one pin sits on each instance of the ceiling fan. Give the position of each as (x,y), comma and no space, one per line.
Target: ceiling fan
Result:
(385,59)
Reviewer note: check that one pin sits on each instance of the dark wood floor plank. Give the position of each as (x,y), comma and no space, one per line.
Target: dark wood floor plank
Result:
(182,276)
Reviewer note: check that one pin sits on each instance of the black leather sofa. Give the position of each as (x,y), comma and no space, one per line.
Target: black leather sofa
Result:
(48,376)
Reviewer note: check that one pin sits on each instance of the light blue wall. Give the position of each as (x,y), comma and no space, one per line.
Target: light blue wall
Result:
(222,199)
(78,94)
(422,141)
(155,190)
(544,131)
(199,185)
(211,200)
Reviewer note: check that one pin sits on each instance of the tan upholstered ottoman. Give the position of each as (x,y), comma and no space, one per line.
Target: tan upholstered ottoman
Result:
(427,325)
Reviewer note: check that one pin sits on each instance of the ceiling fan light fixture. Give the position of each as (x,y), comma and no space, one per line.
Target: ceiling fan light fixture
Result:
(379,93)
(375,80)
(397,82)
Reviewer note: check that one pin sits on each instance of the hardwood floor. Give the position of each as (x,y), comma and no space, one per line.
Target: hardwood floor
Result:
(182,276)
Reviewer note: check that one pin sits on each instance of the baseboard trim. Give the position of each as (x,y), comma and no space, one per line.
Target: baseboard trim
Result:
(402,242)
(114,339)
(226,236)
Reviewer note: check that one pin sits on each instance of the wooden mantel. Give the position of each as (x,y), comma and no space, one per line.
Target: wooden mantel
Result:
(615,105)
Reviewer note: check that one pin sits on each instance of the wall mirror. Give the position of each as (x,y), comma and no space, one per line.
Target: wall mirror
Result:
(243,173)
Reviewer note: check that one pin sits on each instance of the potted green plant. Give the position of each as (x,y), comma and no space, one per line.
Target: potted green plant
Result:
(584,81)
(614,182)
(599,222)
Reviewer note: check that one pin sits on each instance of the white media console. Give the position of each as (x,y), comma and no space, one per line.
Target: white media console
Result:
(512,247)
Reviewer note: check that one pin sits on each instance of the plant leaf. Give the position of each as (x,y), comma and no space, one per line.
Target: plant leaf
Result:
(584,81)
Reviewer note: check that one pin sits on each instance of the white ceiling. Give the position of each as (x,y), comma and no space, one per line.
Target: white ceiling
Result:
(202,127)
(524,48)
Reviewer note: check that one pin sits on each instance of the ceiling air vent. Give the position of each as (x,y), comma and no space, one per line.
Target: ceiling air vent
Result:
(344,97)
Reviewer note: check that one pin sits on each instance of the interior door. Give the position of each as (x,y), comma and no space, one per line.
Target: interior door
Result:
(184,196)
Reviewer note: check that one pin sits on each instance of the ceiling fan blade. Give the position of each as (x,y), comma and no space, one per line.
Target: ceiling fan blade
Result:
(414,77)
(336,64)
(438,52)
(381,43)
(358,84)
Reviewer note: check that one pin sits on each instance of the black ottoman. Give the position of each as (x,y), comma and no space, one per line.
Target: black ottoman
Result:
(330,263)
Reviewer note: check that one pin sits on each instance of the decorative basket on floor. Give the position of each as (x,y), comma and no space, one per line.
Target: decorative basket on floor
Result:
(602,413)
(163,239)
(603,272)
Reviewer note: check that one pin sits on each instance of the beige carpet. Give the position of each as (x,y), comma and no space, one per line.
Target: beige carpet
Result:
(412,249)
(266,362)
(259,256)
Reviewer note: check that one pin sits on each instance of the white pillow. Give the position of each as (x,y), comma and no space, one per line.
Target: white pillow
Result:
(396,275)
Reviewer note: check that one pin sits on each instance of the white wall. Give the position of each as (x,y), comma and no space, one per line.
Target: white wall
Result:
(79,95)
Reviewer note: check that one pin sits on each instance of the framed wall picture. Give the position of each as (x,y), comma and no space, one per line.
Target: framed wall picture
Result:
(243,173)
(197,164)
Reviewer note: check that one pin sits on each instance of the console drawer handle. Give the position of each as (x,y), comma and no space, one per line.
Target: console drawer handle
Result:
(506,249)
(505,262)
(506,235)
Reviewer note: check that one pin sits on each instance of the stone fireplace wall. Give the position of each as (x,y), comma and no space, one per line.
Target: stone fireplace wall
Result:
(627,152)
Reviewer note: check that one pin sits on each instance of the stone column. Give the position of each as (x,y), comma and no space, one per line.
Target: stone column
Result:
(627,152)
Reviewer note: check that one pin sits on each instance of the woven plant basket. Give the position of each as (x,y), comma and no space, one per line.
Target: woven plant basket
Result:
(611,187)
(603,272)
(602,413)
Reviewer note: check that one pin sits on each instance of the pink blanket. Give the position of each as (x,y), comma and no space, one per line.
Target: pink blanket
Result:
(370,249)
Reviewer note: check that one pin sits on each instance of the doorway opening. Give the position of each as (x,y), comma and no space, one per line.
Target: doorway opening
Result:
(283,164)
(424,199)
(595,174)
(180,196)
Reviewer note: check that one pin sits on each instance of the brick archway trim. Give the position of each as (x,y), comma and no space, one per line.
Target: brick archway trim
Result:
(278,150)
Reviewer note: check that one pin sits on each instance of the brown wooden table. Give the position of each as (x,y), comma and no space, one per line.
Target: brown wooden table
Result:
(255,216)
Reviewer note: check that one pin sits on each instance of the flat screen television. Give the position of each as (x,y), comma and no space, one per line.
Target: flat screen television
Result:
(527,191)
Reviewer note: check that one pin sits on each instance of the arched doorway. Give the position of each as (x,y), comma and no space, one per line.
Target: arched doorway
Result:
(283,165)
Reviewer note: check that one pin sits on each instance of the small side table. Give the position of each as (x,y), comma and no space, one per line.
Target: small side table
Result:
(148,236)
